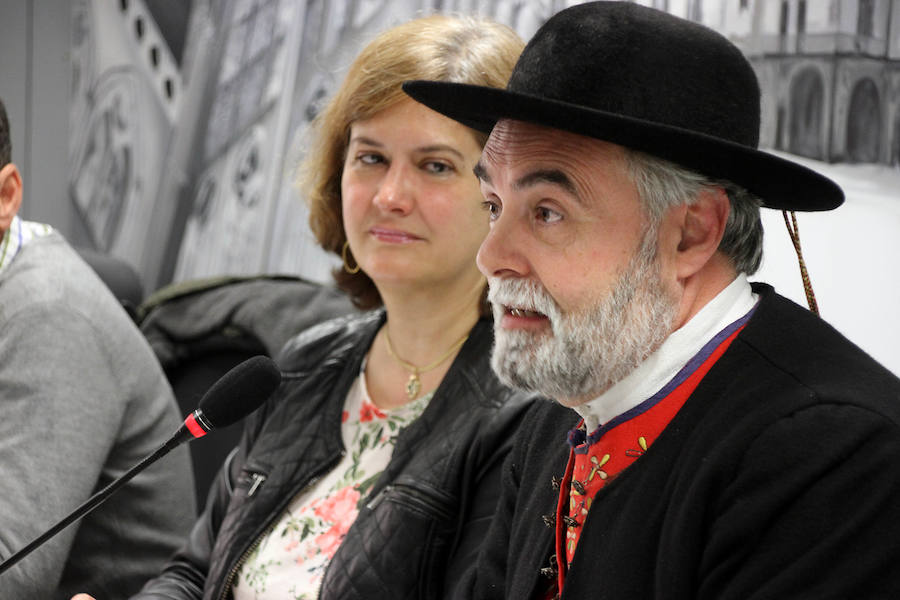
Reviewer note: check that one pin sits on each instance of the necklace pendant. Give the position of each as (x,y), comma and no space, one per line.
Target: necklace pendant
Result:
(413,385)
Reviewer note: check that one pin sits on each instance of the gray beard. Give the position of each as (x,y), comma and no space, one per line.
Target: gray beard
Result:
(591,350)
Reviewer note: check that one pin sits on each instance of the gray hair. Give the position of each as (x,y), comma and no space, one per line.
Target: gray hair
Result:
(663,184)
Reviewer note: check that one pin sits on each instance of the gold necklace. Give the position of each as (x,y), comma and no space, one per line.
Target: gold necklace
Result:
(414,384)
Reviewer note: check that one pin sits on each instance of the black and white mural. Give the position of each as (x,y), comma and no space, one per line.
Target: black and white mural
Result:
(125,94)
(188,118)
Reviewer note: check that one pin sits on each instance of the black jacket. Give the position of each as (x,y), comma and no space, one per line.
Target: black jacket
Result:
(778,478)
(425,517)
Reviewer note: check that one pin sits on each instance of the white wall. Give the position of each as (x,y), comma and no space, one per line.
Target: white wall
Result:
(851,255)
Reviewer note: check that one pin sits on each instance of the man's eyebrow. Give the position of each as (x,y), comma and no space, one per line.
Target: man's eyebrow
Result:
(481,173)
(551,176)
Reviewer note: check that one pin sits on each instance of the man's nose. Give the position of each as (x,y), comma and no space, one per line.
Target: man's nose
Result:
(502,252)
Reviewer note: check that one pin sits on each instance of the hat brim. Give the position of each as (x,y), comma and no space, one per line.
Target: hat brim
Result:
(780,183)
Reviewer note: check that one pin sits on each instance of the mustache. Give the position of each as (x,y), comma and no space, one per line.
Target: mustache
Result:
(524,294)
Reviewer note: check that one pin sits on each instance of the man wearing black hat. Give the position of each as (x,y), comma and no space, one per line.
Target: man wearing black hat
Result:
(731,444)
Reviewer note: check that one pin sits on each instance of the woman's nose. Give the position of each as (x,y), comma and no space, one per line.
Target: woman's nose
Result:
(396,192)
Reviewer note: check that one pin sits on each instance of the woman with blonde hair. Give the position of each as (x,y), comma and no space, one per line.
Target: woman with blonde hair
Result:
(373,470)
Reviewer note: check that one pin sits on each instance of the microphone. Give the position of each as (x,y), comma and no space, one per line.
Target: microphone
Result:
(235,395)
(238,393)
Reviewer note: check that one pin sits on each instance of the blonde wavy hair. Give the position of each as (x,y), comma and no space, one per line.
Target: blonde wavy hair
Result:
(459,49)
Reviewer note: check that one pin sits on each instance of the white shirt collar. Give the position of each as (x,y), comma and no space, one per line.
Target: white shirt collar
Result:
(17,236)
(659,368)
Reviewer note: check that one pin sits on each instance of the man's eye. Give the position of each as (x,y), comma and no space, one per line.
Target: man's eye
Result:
(493,209)
(547,215)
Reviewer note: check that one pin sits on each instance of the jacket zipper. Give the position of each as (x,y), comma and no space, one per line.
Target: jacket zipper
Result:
(372,504)
(234,570)
(410,493)
(318,595)
(258,479)
(379,497)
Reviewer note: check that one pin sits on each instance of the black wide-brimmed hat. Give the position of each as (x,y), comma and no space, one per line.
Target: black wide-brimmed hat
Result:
(647,80)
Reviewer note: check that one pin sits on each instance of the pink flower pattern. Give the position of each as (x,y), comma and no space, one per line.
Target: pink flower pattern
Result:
(312,529)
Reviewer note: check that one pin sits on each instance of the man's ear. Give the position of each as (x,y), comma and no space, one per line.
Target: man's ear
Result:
(10,195)
(702,228)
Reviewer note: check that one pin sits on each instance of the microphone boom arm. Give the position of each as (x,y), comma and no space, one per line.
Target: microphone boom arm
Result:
(231,398)
(92,502)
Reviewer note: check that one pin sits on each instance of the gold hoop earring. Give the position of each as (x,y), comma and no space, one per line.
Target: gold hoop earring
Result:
(347,267)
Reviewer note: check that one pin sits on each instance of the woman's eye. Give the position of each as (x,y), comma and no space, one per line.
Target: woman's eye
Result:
(369,158)
(547,215)
(437,167)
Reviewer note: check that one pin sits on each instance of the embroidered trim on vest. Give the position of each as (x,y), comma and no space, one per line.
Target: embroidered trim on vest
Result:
(596,459)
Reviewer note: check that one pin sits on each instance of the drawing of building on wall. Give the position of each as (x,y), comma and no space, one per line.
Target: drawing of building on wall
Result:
(184,163)
(829,72)
(272,65)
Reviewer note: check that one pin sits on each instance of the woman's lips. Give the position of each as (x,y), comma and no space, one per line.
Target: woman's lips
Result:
(393,236)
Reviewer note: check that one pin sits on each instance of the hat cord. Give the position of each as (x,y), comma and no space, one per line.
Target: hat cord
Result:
(794,232)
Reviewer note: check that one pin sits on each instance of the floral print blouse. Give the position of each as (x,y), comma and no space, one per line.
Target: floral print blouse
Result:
(291,558)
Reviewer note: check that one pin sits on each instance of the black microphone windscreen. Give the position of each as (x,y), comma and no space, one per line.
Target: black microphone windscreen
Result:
(240,391)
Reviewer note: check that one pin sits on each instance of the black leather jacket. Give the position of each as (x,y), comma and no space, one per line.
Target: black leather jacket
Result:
(423,520)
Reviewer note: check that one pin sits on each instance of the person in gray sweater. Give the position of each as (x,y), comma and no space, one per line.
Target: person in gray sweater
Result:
(82,400)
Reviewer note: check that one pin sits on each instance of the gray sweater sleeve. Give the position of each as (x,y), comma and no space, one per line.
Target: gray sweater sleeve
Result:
(82,400)
(60,419)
